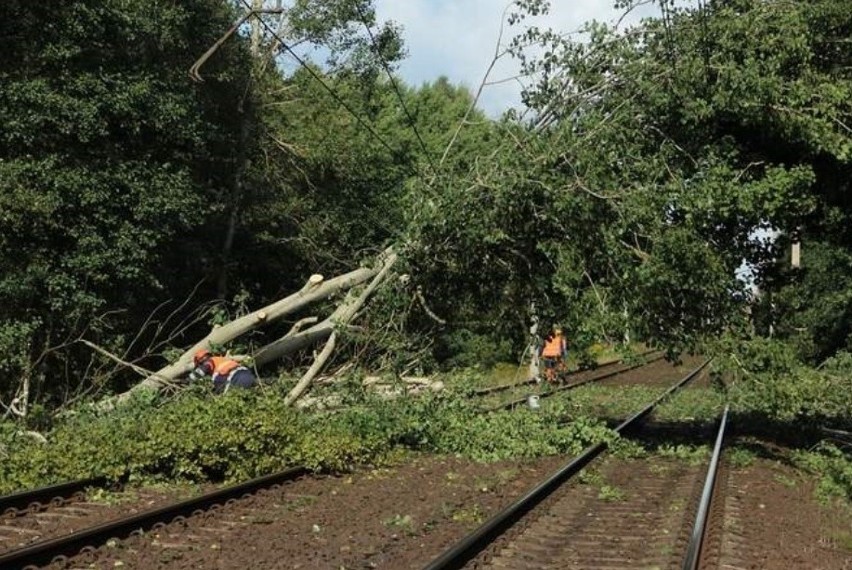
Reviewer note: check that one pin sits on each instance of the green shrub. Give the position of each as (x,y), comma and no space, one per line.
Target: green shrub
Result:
(763,376)
(466,348)
(196,437)
(834,468)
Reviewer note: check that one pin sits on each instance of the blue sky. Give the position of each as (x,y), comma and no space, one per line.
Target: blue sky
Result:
(457,38)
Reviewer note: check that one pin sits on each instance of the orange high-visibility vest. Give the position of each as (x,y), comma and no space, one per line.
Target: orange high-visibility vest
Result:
(223,366)
(553,346)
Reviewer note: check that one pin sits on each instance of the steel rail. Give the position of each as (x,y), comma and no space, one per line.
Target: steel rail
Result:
(462,552)
(696,541)
(492,389)
(520,401)
(23,500)
(44,552)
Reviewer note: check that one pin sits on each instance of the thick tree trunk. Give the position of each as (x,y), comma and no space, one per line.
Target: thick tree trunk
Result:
(384,390)
(314,290)
(321,331)
(326,329)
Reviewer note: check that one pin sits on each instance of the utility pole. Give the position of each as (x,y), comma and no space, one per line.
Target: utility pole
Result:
(534,369)
(796,250)
(256,27)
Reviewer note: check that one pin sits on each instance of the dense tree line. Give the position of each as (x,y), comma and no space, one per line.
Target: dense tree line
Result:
(655,156)
(621,204)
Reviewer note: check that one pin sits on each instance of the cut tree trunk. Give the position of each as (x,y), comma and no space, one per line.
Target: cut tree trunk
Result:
(315,368)
(326,329)
(384,389)
(322,330)
(314,290)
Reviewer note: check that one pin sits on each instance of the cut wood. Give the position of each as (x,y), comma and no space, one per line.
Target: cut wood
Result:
(305,380)
(419,380)
(315,289)
(326,329)
(383,391)
(322,330)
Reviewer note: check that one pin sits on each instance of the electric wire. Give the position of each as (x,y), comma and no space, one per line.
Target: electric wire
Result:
(705,47)
(378,220)
(667,25)
(334,95)
(396,90)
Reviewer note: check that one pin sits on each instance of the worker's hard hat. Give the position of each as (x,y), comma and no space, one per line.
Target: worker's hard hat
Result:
(201,355)
(557,328)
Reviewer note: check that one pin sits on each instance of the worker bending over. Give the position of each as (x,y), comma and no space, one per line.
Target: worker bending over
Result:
(226,372)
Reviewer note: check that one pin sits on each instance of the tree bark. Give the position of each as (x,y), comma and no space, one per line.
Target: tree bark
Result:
(322,330)
(315,368)
(316,289)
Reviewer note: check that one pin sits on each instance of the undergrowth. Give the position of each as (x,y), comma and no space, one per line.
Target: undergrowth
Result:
(764,378)
(834,468)
(196,437)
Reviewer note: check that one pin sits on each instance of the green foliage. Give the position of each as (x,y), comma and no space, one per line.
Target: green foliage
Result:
(692,454)
(611,493)
(763,376)
(740,456)
(246,434)
(107,157)
(607,401)
(834,466)
(465,348)
(692,404)
(812,309)
(621,205)
(632,196)
(128,188)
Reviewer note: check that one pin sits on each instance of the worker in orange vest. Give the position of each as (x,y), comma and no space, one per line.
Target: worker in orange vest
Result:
(227,373)
(553,351)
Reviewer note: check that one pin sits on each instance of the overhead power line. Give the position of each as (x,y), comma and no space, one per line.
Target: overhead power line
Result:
(334,94)
(377,219)
(396,90)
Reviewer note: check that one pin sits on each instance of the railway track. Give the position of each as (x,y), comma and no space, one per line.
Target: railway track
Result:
(43,552)
(31,540)
(572,374)
(659,523)
(73,492)
(570,382)
(36,500)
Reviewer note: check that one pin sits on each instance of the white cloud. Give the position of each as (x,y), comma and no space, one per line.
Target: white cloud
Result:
(456,38)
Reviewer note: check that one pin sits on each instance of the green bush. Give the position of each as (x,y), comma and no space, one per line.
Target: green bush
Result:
(764,376)
(196,437)
(834,468)
(466,348)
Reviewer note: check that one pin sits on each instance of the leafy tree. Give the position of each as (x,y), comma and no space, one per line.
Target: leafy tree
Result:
(107,158)
(342,30)
(812,306)
(654,155)
(127,184)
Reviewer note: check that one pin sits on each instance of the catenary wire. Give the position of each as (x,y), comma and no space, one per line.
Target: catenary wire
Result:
(396,90)
(336,97)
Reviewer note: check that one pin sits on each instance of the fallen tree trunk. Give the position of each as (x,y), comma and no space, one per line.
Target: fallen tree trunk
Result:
(314,290)
(385,390)
(315,368)
(326,329)
(322,330)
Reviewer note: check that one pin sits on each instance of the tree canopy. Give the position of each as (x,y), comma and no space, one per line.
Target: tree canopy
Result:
(650,165)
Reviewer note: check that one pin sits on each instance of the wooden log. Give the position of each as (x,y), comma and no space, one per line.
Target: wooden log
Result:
(315,289)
